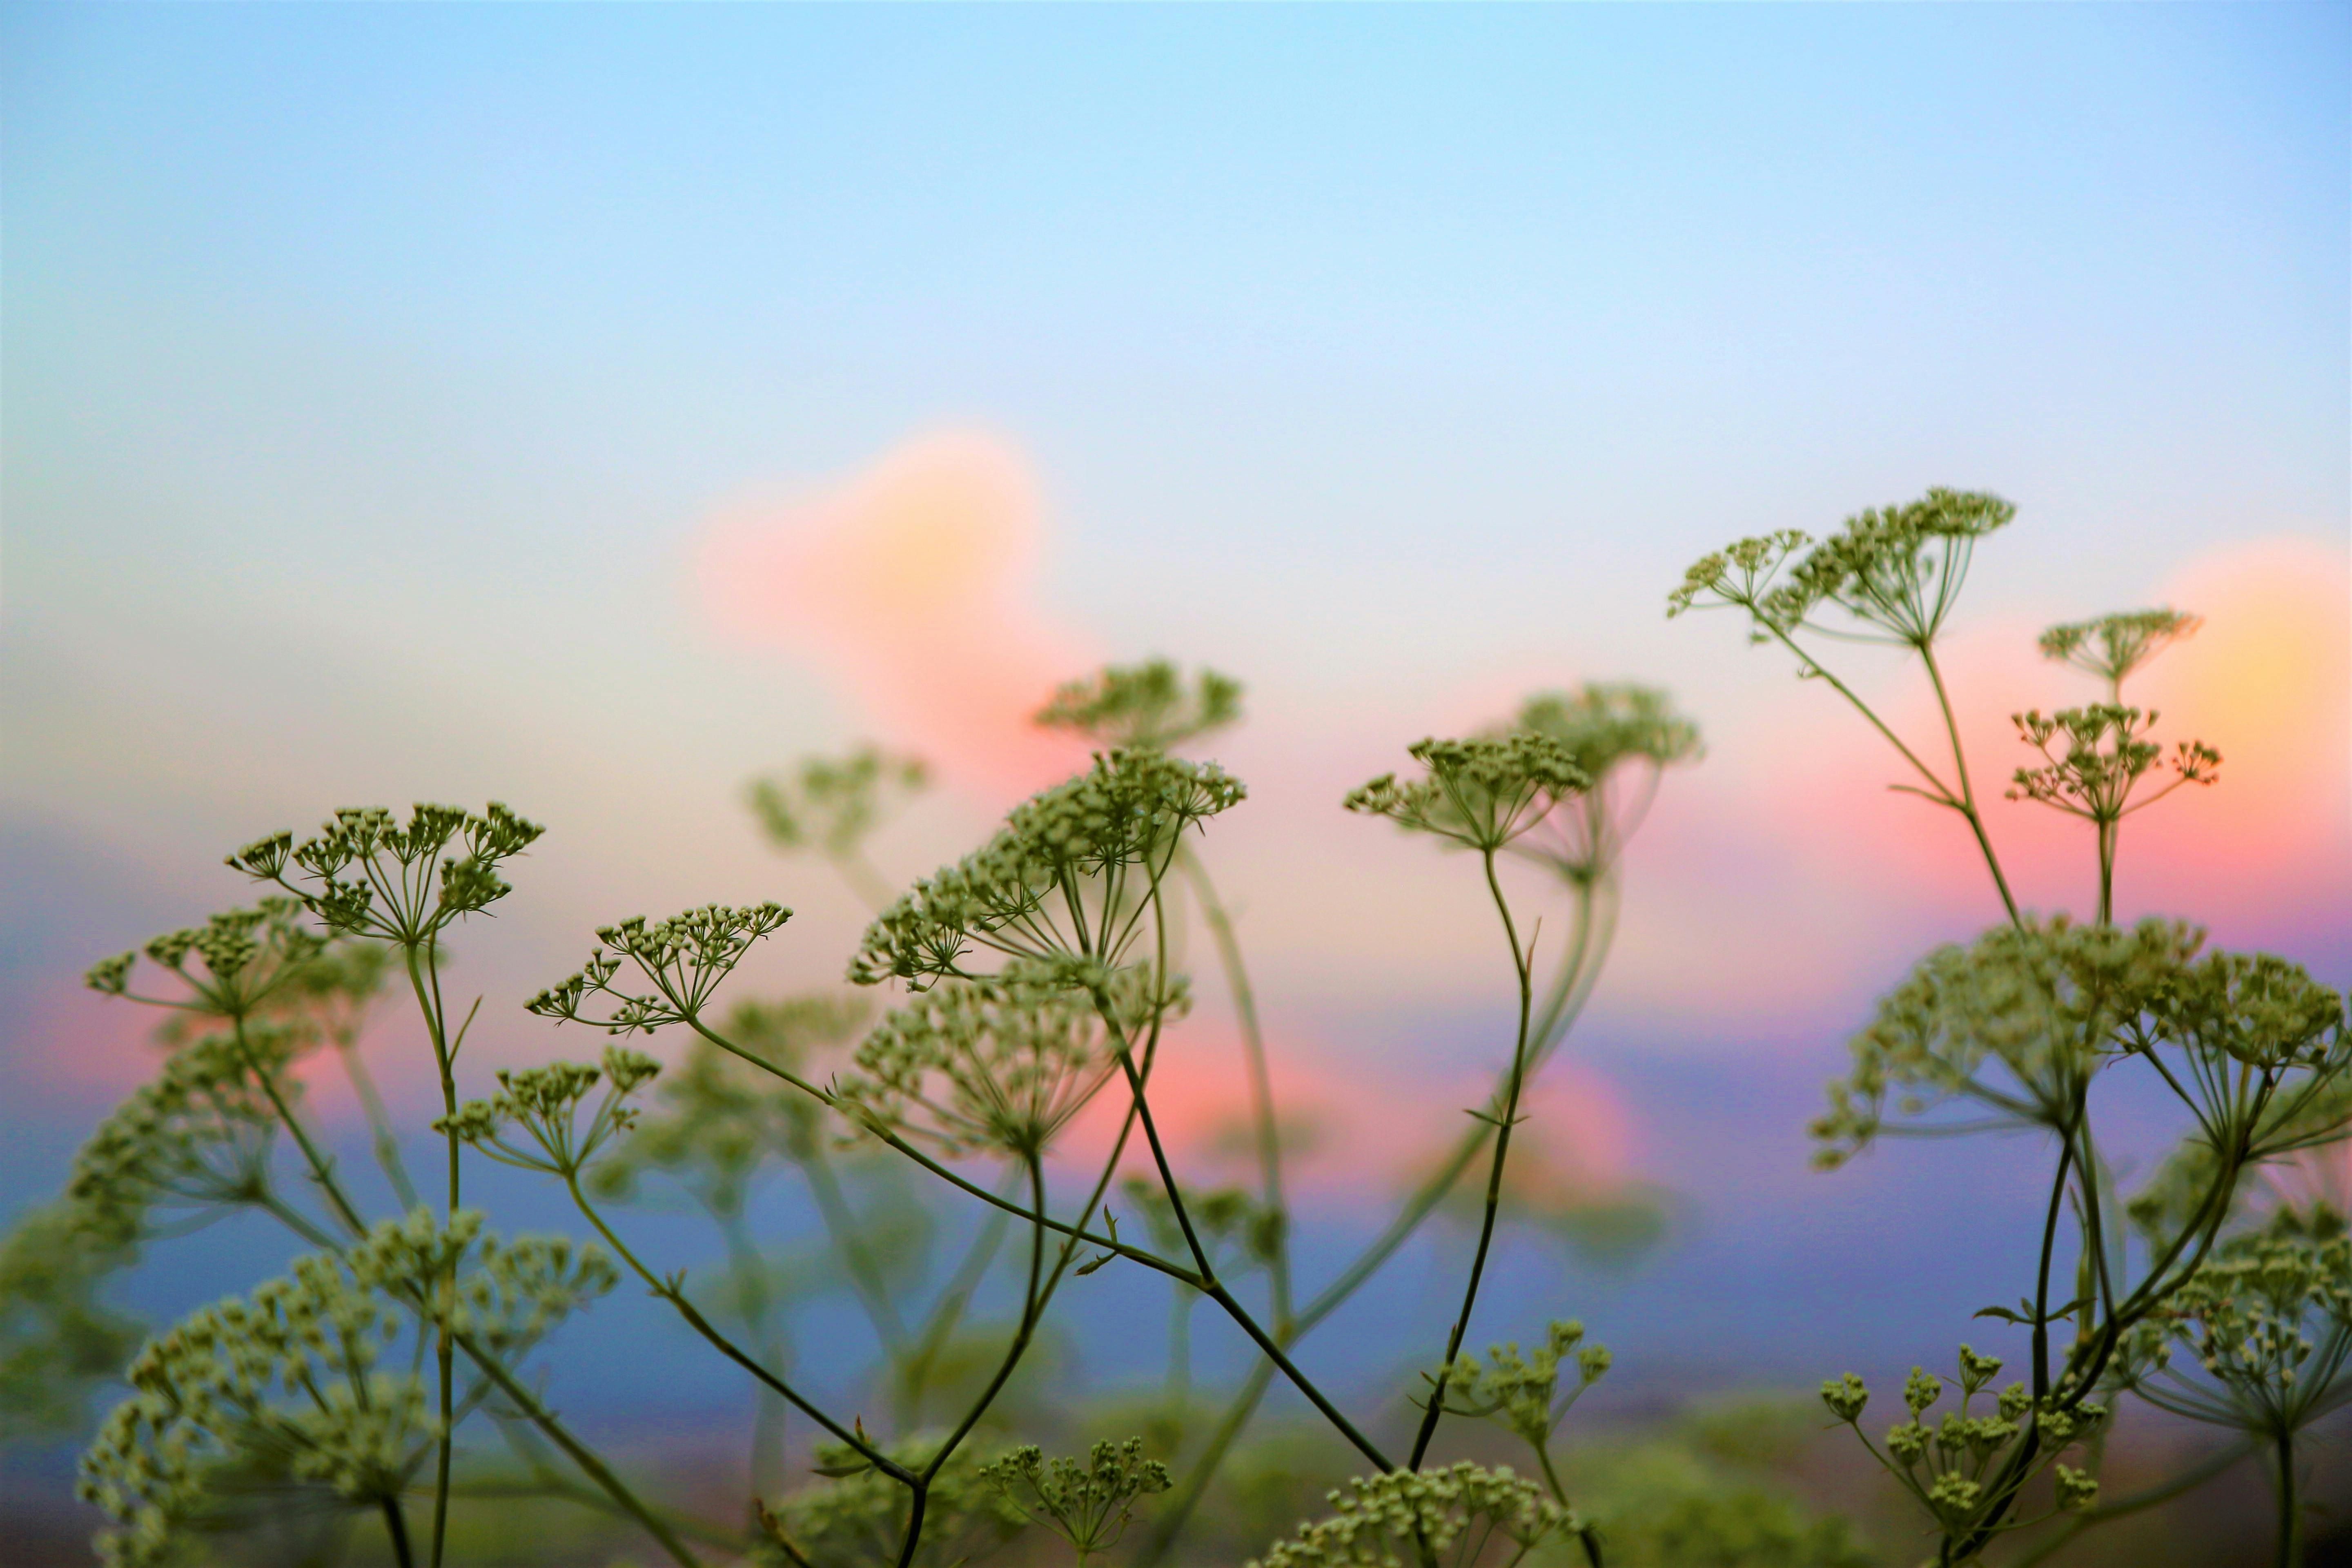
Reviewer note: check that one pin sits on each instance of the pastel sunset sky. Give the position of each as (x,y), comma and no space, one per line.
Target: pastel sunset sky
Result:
(592,408)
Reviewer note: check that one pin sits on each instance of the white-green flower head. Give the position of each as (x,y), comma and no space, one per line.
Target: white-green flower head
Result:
(857,1518)
(2268,1320)
(1088,1505)
(198,1136)
(2014,1024)
(684,959)
(2256,1009)
(1069,876)
(288,1376)
(1447,1516)
(293,1376)
(1002,1063)
(1482,793)
(1147,707)
(2094,757)
(1897,569)
(367,873)
(227,967)
(543,1105)
(831,804)
(2113,647)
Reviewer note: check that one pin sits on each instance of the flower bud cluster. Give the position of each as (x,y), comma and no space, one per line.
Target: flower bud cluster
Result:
(1897,570)
(544,1103)
(1481,793)
(199,1134)
(1953,1465)
(2111,647)
(2094,757)
(228,965)
(1000,1063)
(683,958)
(1417,1516)
(366,874)
(1089,1506)
(1521,1392)
(1098,844)
(1144,707)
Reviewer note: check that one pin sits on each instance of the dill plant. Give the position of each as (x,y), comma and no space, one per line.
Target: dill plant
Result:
(1041,975)
(2021,1029)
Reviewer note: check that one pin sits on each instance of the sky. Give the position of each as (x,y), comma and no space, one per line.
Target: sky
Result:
(591,409)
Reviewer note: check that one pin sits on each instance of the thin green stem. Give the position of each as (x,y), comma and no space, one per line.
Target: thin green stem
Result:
(1967,801)
(670,1290)
(841,1228)
(386,1144)
(578,1452)
(1263,1117)
(1504,1124)
(428,1002)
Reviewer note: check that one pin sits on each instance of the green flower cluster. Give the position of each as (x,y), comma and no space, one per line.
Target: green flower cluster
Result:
(544,1102)
(1089,1507)
(683,958)
(1143,707)
(831,805)
(1000,1063)
(366,874)
(1481,793)
(1069,877)
(1521,1392)
(1897,568)
(199,1134)
(1966,1468)
(286,1381)
(2046,1003)
(2268,1319)
(1615,735)
(857,1518)
(1447,1516)
(2111,647)
(2094,757)
(227,966)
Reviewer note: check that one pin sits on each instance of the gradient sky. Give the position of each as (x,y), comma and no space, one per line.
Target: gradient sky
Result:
(443,402)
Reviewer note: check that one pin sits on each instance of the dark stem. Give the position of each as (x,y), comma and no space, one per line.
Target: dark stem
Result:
(397,1527)
(1493,1175)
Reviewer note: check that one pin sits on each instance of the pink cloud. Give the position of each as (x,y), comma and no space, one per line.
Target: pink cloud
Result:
(910,583)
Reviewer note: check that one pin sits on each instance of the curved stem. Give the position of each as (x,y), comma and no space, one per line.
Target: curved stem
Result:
(1262,1108)
(670,1290)
(1504,1124)
(1967,801)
